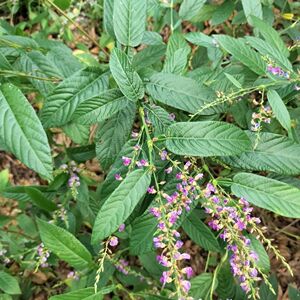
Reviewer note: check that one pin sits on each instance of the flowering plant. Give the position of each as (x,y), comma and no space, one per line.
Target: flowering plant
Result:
(189,138)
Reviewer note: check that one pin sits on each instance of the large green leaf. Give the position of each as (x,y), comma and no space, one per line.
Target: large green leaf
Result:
(148,56)
(274,152)
(273,195)
(202,285)
(9,284)
(121,203)
(108,10)
(252,8)
(64,99)
(100,108)
(64,245)
(266,49)
(143,230)
(177,62)
(126,77)
(271,36)
(37,65)
(84,294)
(22,132)
(180,92)
(243,53)
(129,21)
(113,134)
(190,8)
(279,109)
(200,233)
(207,138)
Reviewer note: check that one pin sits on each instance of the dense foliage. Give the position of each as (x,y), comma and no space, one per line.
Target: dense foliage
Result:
(192,111)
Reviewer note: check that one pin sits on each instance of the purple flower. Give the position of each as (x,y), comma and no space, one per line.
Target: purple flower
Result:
(240,225)
(254,255)
(185,256)
(113,241)
(186,285)
(187,165)
(163,260)
(118,177)
(121,227)
(198,176)
(165,278)
(253,272)
(155,212)
(188,271)
(142,163)
(137,147)
(169,170)
(151,190)
(126,160)
(179,176)
(178,244)
(163,155)
(173,217)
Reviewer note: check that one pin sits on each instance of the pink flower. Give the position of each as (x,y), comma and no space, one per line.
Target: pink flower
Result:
(118,177)
(151,190)
(188,271)
(121,227)
(163,155)
(186,285)
(169,170)
(113,241)
(126,160)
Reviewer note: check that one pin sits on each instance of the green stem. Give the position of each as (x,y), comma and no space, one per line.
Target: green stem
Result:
(21,74)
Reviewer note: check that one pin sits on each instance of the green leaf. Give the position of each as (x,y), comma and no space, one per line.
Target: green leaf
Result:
(200,233)
(143,230)
(160,119)
(176,41)
(263,262)
(36,64)
(265,292)
(148,56)
(177,62)
(190,8)
(280,111)
(294,293)
(22,131)
(243,53)
(100,108)
(233,80)
(121,203)
(200,39)
(207,138)
(38,198)
(180,92)
(113,134)
(270,35)
(78,133)
(64,245)
(126,77)
(223,12)
(9,284)
(274,153)
(268,50)
(202,285)
(252,8)
(273,195)
(64,99)
(4,179)
(63,4)
(226,282)
(129,21)
(108,9)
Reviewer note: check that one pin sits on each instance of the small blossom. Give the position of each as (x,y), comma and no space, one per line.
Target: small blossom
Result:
(118,177)
(113,241)
(151,190)
(142,163)
(169,170)
(134,134)
(186,285)
(73,275)
(163,155)
(188,271)
(126,160)
(121,227)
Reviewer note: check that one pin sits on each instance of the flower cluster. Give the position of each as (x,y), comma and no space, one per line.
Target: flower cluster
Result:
(263,116)
(234,217)
(277,71)
(74,180)
(122,266)
(43,255)
(167,238)
(73,275)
